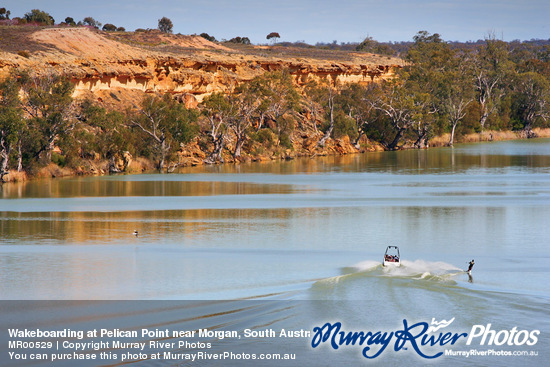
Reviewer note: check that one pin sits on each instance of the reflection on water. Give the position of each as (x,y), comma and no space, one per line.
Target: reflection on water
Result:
(248,230)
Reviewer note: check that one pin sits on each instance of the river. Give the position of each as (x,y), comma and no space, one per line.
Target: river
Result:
(308,234)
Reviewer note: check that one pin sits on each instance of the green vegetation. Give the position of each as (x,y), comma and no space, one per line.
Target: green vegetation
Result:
(444,88)
(4,14)
(165,25)
(91,22)
(208,37)
(70,21)
(240,40)
(40,17)
(274,36)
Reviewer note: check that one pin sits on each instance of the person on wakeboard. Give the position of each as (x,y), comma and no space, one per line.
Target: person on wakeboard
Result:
(471,265)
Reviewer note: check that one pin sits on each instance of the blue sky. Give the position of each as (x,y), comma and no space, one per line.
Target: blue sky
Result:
(314,20)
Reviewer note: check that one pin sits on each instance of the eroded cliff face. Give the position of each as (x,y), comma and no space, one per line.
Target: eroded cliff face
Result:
(117,70)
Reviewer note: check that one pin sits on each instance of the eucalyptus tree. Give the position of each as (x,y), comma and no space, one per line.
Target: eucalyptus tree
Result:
(220,111)
(328,96)
(321,101)
(48,101)
(533,99)
(430,61)
(457,91)
(397,105)
(105,132)
(491,69)
(166,122)
(405,108)
(248,101)
(279,98)
(311,103)
(11,123)
(354,100)
(165,25)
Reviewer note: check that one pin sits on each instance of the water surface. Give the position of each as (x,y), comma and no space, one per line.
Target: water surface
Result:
(303,230)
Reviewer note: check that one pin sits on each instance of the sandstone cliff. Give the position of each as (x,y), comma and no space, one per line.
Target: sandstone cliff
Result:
(117,68)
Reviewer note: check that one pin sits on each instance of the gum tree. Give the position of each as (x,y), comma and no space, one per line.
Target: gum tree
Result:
(533,95)
(11,122)
(165,122)
(165,25)
(491,67)
(220,111)
(48,101)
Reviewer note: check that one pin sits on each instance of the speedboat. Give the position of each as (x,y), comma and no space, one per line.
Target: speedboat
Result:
(392,257)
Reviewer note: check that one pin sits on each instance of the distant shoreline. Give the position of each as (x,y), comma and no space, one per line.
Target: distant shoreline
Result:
(142,165)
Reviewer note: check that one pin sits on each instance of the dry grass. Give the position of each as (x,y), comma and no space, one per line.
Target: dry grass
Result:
(440,140)
(489,135)
(53,170)
(14,176)
(542,133)
(18,39)
(315,53)
(138,165)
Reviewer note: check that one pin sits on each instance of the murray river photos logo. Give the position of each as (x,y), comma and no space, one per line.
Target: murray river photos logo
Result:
(418,337)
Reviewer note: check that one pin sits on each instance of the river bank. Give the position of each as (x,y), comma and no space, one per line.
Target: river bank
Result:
(192,155)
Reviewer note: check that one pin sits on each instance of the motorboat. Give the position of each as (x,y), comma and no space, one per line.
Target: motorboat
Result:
(392,256)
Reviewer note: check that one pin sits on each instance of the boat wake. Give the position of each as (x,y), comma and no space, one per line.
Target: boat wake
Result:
(412,270)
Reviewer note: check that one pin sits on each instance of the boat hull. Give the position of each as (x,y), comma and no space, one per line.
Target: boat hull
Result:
(392,263)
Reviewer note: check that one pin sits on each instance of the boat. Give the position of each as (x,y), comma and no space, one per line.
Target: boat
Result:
(392,257)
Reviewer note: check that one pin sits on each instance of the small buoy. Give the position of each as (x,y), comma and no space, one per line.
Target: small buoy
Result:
(135,233)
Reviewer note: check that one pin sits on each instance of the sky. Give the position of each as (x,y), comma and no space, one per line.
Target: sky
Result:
(314,21)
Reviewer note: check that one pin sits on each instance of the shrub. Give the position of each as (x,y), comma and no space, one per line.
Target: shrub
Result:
(208,37)
(165,25)
(91,22)
(240,40)
(284,141)
(70,21)
(264,136)
(109,27)
(40,17)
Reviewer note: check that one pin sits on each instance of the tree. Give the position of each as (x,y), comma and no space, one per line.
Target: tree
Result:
(4,14)
(456,92)
(105,132)
(279,100)
(220,111)
(240,40)
(491,65)
(91,22)
(70,21)
(48,101)
(354,102)
(109,27)
(165,122)
(11,122)
(208,37)
(165,25)
(373,46)
(274,36)
(404,107)
(121,29)
(328,94)
(40,17)
(310,101)
(533,91)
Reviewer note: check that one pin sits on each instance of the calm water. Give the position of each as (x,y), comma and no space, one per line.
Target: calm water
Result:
(305,230)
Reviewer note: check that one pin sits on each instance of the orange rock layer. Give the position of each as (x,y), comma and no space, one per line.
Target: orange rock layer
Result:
(119,69)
